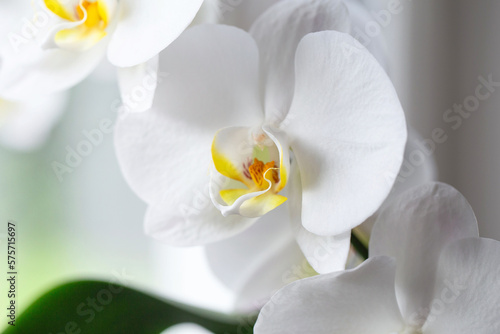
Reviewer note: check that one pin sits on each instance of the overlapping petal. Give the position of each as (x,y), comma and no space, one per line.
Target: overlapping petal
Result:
(410,175)
(146,27)
(360,20)
(289,21)
(414,230)
(138,85)
(26,125)
(259,261)
(324,253)
(467,293)
(242,13)
(48,71)
(347,130)
(356,301)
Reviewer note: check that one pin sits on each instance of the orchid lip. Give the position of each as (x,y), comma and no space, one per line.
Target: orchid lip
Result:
(255,166)
(84,24)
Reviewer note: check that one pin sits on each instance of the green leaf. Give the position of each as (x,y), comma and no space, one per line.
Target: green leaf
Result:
(98,307)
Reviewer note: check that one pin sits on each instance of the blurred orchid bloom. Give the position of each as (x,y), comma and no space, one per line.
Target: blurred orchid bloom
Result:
(428,272)
(55,44)
(213,156)
(25,125)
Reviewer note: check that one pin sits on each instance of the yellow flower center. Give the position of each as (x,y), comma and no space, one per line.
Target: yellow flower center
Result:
(92,19)
(258,171)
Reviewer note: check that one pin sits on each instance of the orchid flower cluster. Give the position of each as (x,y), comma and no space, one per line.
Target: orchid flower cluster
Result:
(268,143)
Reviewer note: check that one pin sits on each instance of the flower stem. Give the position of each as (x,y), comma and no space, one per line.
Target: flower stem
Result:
(359,246)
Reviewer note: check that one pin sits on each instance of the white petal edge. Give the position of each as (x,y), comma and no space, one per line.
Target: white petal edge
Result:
(325,254)
(289,22)
(47,71)
(347,130)
(138,85)
(414,229)
(30,124)
(361,300)
(467,293)
(414,172)
(259,261)
(147,27)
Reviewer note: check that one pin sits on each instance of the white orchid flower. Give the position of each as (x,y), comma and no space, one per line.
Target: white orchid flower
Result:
(214,154)
(428,272)
(239,261)
(57,43)
(25,125)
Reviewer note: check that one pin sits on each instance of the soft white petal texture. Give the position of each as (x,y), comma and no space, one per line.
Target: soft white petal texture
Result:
(410,175)
(138,85)
(414,229)
(180,220)
(324,253)
(289,21)
(29,124)
(360,17)
(208,13)
(347,130)
(165,153)
(47,71)
(243,13)
(361,300)
(147,27)
(259,261)
(11,13)
(467,294)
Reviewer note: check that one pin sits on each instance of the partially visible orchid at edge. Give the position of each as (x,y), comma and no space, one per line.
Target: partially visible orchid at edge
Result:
(428,273)
(52,45)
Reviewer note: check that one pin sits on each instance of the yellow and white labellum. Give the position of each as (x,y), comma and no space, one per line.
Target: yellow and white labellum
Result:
(87,20)
(254,164)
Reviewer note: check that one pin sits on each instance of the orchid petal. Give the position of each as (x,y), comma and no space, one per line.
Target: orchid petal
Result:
(361,300)
(324,253)
(467,293)
(360,19)
(414,229)
(244,13)
(30,122)
(49,71)
(138,85)
(259,261)
(289,21)
(347,130)
(147,27)
(410,175)
(193,222)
